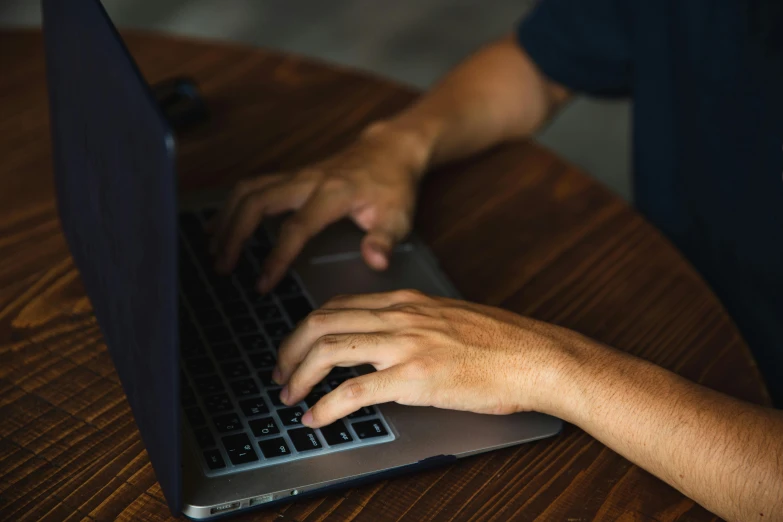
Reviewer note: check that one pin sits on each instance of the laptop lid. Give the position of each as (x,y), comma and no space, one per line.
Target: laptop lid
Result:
(114,172)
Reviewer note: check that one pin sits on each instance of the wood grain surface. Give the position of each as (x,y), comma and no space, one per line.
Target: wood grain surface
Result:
(516,228)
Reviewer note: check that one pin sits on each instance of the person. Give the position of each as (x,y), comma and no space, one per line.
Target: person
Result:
(705,77)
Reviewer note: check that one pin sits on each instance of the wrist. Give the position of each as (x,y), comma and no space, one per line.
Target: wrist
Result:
(413,140)
(565,372)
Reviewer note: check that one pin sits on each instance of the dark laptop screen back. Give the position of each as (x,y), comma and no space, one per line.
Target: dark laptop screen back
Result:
(116,191)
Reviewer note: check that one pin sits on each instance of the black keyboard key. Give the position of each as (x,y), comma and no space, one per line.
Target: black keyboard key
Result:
(189,223)
(277,329)
(204,438)
(201,301)
(338,371)
(304,439)
(267,312)
(245,273)
(236,309)
(313,398)
(214,460)
(239,449)
(228,293)
(334,382)
(297,308)
(194,288)
(260,249)
(288,287)
(274,448)
(186,394)
(369,429)
(217,334)
(223,352)
(247,281)
(274,398)
(209,385)
(228,422)
(290,416)
(217,403)
(244,325)
(254,342)
(266,378)
(235,369)
(200,366)
(262,237)
(336,433)
(263,359)
(195,417)
(215,279)
(244,388)
(264,427)
(190,348)
(209,317)
(365,411)
(255,299)
(187,328)
(253,407)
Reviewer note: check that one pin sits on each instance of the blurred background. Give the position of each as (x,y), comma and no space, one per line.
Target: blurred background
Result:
(412,41)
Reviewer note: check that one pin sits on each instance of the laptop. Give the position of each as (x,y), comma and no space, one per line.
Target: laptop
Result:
(194,350)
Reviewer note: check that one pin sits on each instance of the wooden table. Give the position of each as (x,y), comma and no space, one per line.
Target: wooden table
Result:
(516,228)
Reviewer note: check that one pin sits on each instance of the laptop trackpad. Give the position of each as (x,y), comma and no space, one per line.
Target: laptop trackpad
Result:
(330,275)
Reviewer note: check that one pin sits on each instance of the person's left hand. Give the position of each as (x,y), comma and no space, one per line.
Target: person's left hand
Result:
(428,351)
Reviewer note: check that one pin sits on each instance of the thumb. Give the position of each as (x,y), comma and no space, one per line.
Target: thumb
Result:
(376,248)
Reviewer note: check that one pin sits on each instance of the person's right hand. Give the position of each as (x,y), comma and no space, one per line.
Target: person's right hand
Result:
(374,181)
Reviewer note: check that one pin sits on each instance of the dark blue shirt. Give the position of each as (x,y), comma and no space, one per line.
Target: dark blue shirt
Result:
(707,135)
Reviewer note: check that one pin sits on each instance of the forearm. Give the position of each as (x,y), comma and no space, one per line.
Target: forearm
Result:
(725,454)
(496,95)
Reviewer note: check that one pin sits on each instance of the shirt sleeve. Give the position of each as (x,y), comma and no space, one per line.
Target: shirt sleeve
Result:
(583,45)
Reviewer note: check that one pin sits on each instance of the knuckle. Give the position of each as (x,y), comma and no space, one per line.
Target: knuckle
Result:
(354,390)
(334,184)
(403,315)
(324,345)
(409,338)
(316,319)
(418,369)
(410,295)
(397,317)
(408,309)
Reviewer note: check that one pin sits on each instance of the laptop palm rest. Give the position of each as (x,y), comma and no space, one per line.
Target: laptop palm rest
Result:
(332,265)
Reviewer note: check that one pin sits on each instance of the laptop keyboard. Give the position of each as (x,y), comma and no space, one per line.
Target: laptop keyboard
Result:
(229,336)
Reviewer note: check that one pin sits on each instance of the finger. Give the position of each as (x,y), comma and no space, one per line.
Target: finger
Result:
(376,249)
(249,213)
(341,350)
(242,188)
(366,390)
(322,209)
(319,323)
(377,245)
(376,301)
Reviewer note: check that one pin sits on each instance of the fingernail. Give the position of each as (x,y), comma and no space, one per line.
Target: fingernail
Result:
(277,375)
(307,418)
(284,394)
